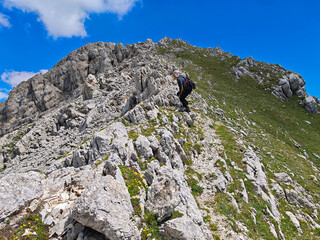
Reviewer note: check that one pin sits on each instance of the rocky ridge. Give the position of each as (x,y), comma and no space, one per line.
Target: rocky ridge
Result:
(286,83)
(111,157)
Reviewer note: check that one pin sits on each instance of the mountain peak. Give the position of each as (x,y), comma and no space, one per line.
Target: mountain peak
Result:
(99,147)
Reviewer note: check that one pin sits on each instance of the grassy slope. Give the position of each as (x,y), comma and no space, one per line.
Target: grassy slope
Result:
(278,125)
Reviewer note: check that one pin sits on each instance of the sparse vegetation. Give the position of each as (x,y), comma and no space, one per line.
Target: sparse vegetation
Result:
(144,163)
(195,188)
(271,127)
(63,156)
(244,118)
(176,214)
(29,227)
(134,183)
(133,135)
(151,229)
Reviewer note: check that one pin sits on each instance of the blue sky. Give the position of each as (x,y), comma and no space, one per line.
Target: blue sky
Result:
(36,34)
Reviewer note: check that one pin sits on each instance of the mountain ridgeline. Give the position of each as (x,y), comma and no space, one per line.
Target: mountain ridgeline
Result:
(98,148)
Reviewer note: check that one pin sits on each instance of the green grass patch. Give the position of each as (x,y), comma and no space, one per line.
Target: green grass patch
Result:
(231,148)
(134,183)
(195,188)
(133,135)
(106,157)
(176,214)
(151,229)
(63,156)
(143,164)
(147,131)
(272,128)
(191,172)
(31,221)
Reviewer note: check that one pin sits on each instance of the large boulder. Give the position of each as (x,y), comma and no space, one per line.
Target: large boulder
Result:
(285,85)
(91,87)
(310,104)
(105,207)
(296,82)
(18,189)
(143,147)
(163,197)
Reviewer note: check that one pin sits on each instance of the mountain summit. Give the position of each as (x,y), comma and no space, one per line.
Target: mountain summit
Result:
(98,148)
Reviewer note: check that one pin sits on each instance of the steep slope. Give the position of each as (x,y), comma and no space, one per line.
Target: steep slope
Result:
(98,148)
(264,139)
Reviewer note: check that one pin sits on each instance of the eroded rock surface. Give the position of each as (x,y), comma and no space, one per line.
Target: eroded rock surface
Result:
(100,149)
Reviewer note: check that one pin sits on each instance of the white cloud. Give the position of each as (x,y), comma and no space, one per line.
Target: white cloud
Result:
(13,78)
(65,18)
(3,95)
(4,21)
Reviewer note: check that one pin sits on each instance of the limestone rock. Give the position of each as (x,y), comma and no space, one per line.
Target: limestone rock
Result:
(1,160)
(285,85)
(188,119)
(184,229)
(105,207)
(163,197)
(153,114)
(255,170)
(143,147)
(296,82)
(90,87)
(310,104)
(18,189)
(136,115)
(294,220)
(284,178)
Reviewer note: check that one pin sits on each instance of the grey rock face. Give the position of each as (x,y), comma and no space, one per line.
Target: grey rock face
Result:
(184,229)
(296,82)
(256,173)
(310,104)
(105,207)
(143,147)
(295,221)
(163,197)
(283,177)
(83,133)
(66,80)
(289,84)
(1,160)
(136,115)
(256,170)
(286,88)
(16,190)
(91,87)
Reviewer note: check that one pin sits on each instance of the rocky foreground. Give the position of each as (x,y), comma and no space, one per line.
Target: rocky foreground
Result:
(97,148)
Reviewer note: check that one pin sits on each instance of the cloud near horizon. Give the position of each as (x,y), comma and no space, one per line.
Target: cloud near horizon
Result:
(3,95)
(13,78)
(65,18)
(4,21)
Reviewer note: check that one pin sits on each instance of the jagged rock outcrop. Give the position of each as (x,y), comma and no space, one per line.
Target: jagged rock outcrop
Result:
(71,77)
(18,190)
(99,149)
(311,104)
(105,207)
(288,85)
